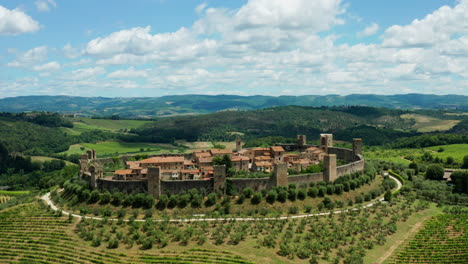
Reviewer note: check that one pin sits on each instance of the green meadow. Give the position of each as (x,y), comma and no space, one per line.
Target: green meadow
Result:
(457,151)
(113,148)
(83,124)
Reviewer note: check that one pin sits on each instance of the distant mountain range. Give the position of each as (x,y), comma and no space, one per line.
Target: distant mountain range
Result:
(145,107)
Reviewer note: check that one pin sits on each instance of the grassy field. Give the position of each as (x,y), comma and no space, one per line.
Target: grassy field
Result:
(43,159)
(457,151)
(430,124)
(113,148)
(83,124)
(392,155)
(13,193)
(384,252)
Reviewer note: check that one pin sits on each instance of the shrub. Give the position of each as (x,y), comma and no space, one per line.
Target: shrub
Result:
(388,196)
(211,200)
(183,200)
(173,201)
(322,191)
(358,199)
(435,172)
(271,196)
(312,192)
(240,199)
(106,211)
(293,210)
(301,194)
(307,208)
(465,162)
(94,197)
(330,189)
(292,194)
(256,198)
(367,197)
(196,201)
(339,189)
(113,243)
(282,195)
(162,202)
(248,192)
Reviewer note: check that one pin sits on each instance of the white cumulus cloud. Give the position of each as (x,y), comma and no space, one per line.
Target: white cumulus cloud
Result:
(369,31)
(128,73)
(45,5)
(15,22)
(30,57)
(51,66)
(199,9)
(436,27)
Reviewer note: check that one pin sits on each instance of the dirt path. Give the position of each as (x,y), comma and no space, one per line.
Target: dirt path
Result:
(413,230)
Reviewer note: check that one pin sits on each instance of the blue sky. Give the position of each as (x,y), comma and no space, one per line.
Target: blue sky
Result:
(272,47)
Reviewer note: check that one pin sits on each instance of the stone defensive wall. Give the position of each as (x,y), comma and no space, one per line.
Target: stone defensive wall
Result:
(130,186)
(306,178)
(255,184)
(182,186)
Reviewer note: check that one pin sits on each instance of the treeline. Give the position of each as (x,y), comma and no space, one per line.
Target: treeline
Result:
(287,122)
(38,140)
(40,118)
(21,173)
(429,140)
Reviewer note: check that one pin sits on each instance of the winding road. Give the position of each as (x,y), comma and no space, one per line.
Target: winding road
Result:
(48,201)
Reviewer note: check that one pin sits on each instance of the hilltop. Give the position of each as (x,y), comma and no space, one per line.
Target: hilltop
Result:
(148,107)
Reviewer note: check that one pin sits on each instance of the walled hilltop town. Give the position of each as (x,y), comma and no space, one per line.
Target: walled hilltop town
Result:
(172,174)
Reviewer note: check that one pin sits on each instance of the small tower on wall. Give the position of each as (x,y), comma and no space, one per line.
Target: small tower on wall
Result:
(219,178)
(238,144)
(154,181)
(326,141)
(280,174)
(329,162)
(301,140)
(357,148)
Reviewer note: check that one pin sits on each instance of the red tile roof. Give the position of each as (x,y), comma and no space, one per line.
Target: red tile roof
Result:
(263,164)
(163,160)
(239,158)
(123,172)
(277,148)
(220,151)
(205,159)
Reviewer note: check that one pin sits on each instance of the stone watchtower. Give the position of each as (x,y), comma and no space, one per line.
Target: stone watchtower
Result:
(357,148)
(326,141)
(280,174)
(219,178)
(238,144)
(154,181)
(301,140)
(329,162)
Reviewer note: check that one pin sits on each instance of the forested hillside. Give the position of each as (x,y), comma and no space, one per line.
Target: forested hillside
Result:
(147,107)
(374,125)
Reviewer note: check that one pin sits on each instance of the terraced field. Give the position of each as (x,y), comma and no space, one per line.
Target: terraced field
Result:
(443,239)
(4,198)
(430,124)
(31,234)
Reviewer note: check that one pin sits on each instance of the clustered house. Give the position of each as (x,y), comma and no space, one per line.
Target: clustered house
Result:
(199,165)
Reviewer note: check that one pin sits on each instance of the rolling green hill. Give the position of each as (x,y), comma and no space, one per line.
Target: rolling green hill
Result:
(376,126)
(147,107)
